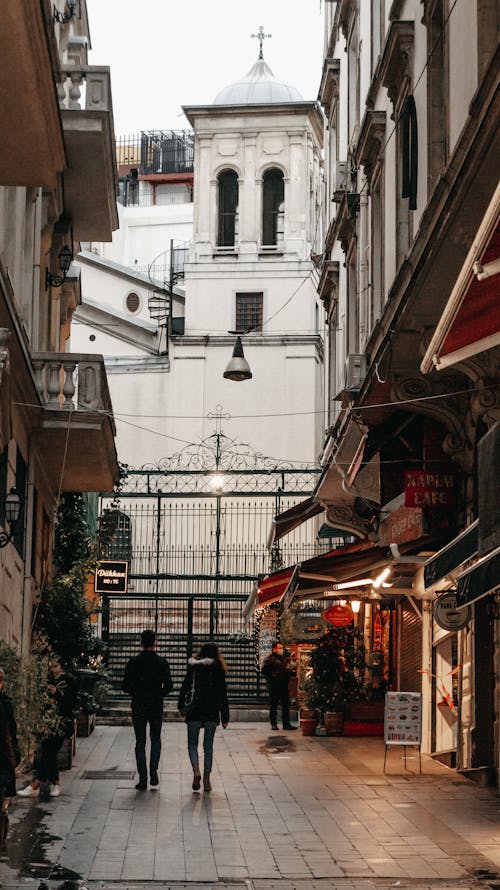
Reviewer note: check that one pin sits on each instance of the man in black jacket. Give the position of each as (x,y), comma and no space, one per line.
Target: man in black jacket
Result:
(147,679)
(277,672)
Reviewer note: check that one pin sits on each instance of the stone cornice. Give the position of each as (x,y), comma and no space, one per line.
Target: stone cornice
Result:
(394,67)
(329,86)
(370,140)
(344,224)
(346,9)
(328,282)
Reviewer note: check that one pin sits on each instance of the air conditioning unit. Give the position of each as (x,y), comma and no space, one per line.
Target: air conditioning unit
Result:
(341,181)
(355,370)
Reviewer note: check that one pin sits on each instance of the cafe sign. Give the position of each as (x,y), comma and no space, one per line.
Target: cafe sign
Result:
(446,613)
(429,489)
(339,616)
(111,576)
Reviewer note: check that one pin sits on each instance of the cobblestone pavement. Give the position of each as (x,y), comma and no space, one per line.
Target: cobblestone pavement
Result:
(286,813)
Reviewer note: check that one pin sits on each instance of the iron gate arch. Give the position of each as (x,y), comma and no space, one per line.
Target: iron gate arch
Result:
(194,529)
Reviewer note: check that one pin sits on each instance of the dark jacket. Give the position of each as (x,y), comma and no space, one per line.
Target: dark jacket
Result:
(210,701)
(9,747)
(147,677)
(276,670)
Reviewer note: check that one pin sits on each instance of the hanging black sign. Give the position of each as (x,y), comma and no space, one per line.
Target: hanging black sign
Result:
(111,576)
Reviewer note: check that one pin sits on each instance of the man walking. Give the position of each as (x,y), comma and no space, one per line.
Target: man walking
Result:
(147,679)
(277,673)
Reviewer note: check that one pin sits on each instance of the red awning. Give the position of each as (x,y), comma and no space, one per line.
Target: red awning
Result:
(272,587)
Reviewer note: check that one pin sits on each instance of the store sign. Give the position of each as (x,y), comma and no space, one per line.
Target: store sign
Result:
(308,626)
(111,576)
(446,613)
(267,634)
(403,718)
(428,489)
(402,525)
(339,616)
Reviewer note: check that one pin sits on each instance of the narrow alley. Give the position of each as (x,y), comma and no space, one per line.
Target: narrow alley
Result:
(285,812)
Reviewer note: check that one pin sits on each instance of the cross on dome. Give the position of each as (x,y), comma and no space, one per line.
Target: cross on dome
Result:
(261,37)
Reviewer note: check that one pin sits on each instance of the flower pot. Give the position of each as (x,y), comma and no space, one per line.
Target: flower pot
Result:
(85,724)
(334,722)
(308,725)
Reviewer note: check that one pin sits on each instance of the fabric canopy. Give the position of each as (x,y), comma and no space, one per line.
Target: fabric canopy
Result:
(292,518)
(463,547)
(481,579)
(272,587)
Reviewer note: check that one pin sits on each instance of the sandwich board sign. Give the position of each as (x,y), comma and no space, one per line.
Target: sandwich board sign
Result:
(111,576)
(403,721)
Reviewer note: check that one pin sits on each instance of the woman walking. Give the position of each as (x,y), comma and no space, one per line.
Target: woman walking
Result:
(203,703)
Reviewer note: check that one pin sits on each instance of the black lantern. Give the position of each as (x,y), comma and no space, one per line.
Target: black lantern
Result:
(12,510)
(65,258)
(63,17)
(238,368)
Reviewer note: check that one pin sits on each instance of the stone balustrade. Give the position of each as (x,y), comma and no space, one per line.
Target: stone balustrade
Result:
(72,381)
(93,80)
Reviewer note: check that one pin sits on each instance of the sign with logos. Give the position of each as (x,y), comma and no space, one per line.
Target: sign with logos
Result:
(425,488)
(267,633)
(111,576)
(339,616)
(403,718)
(446,613)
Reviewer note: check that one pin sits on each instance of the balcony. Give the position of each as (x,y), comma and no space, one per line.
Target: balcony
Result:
(32,146)
(77,429)
(165,153)
(90,181)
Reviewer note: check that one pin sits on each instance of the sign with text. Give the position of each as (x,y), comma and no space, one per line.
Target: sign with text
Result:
(339,616)
(111,576)
(267,633)
(402,525)
(429,489)
(403,718)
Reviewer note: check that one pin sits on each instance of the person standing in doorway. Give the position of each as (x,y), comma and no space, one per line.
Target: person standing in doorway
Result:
(277,672)
(203,703)
(148,680)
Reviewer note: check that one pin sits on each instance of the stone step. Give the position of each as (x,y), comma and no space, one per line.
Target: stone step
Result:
(120,715)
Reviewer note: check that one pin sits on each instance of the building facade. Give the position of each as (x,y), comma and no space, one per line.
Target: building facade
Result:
(57,187)
(409,282)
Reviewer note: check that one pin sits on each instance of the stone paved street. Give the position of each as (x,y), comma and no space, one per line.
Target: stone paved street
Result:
(286,812)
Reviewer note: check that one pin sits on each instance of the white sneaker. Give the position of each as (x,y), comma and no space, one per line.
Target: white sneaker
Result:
(29,791)
(55,790)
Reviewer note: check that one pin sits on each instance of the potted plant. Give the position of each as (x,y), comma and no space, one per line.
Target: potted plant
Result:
(337,665)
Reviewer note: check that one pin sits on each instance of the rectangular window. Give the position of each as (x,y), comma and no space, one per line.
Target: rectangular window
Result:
(249,308)
(377,249)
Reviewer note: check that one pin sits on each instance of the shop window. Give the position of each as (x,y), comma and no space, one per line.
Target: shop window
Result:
(228,208)
(249,309)
(273,208)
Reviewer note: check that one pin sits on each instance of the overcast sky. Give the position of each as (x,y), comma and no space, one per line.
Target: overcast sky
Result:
(167,53)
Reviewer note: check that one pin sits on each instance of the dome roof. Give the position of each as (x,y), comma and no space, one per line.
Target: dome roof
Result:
(259,86)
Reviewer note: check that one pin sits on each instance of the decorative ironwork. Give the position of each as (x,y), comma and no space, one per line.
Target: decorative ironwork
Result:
(261,37)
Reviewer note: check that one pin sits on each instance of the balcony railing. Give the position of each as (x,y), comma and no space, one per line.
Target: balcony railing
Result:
(72,381)
(85,87)
(157,151)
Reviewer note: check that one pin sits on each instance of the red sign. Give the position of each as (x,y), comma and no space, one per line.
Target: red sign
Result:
(404,524)
(339,616)
(425,488)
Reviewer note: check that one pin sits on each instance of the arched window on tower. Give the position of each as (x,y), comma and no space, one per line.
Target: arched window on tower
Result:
(273,208)
(228,208)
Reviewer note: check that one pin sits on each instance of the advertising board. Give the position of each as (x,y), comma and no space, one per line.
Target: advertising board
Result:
(403,718)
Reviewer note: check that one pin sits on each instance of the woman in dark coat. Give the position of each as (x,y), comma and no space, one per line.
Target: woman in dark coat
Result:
(203,703)
(9,747)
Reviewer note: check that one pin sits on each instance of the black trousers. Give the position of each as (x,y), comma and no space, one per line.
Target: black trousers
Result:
(278,696)
(46,766)
(142,714)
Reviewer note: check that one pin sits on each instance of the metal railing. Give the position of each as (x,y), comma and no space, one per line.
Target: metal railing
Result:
(157,151)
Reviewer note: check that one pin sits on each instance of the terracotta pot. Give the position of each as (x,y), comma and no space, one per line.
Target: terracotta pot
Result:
(334,722)
(308,725)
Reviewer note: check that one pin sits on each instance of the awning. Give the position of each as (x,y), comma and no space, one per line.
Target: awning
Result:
(272,587)
(470,322)
(463,547)
(292,518)
(480,580)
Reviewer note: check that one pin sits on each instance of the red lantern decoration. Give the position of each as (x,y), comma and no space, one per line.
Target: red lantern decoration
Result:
(339,616)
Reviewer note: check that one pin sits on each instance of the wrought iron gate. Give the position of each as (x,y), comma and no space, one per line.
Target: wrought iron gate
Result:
(194,530)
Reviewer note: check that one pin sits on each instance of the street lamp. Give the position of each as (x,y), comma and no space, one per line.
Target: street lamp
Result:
(65,257)
(63,17)
(238,368)
(12,509)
